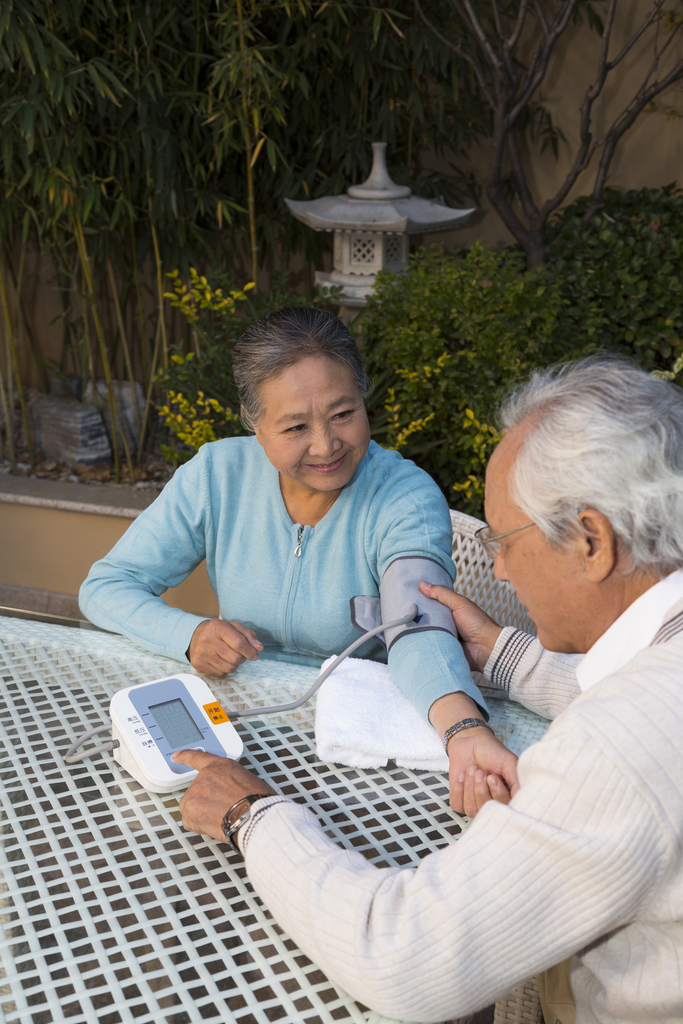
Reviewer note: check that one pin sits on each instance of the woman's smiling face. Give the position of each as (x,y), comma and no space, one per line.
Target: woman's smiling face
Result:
(314,428)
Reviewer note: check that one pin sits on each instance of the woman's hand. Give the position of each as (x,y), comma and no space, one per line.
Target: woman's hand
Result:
(218,647)
(480,768)
(477,631)
(475,788)
(220,784)
(475,747)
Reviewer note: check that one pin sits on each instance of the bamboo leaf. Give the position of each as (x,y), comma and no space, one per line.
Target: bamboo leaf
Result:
(257,150)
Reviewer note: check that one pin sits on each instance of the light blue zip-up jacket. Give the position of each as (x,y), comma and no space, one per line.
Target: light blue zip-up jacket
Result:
(225,505)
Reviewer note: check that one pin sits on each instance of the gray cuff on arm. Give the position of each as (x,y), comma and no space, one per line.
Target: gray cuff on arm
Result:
(398,590)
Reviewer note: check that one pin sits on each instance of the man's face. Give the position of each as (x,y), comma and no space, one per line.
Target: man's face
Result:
(550,582)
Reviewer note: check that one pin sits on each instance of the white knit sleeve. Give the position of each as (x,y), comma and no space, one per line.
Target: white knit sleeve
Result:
(525,887)
(543,681)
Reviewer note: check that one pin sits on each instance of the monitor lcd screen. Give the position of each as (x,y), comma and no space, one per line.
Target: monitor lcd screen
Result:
(176,723)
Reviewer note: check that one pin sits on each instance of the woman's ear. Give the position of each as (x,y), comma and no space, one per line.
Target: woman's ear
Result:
(598,545)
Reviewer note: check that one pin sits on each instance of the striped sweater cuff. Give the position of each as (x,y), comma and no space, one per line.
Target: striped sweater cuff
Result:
(259,810)
(506,655)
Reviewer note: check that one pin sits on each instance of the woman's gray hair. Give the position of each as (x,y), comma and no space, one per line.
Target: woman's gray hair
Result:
(283,338)
(605,435)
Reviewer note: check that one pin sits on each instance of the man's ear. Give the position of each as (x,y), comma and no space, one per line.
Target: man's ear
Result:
(598,546)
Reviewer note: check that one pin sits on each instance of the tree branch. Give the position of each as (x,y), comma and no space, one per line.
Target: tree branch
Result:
(458,50)
(603,70)
(586,145)
(499,202)
(538,64)
(481,37)
(644,96)
(531,211)
(512,40)
(541,17)
(636,36)
(496,19)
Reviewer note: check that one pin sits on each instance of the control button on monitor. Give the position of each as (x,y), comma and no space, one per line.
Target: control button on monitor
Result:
(216,713)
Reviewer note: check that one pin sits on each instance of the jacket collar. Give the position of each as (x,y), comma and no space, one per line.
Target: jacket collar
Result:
(652,618)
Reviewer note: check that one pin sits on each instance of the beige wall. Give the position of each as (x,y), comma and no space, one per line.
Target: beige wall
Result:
(650,154)
(50,549)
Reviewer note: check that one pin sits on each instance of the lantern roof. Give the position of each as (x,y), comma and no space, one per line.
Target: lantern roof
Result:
(379,204)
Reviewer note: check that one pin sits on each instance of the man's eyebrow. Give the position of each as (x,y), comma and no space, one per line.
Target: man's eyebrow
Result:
(294,416)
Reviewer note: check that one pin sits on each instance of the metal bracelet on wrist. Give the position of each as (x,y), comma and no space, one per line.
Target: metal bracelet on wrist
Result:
(466,723)
(231,828)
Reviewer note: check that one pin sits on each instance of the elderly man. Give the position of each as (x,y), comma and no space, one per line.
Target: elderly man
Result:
(584,499)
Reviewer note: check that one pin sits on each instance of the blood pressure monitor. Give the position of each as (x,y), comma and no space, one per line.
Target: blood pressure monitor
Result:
(153,720)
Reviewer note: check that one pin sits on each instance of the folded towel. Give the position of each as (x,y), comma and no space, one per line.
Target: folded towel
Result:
(362,720)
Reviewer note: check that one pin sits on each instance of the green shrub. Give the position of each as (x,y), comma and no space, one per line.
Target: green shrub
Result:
(623,269)
(443,343)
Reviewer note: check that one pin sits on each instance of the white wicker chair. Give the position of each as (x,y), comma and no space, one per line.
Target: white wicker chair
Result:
(475,580)
(475,577)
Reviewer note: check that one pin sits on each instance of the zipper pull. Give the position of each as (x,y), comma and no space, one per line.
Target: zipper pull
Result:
(297,549)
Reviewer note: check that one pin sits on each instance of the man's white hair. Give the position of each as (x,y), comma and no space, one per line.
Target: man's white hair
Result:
(605,435)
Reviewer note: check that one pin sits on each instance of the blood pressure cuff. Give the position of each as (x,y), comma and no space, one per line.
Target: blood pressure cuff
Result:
(398,589)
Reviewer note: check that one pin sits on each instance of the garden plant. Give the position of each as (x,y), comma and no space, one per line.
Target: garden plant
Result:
(443,341)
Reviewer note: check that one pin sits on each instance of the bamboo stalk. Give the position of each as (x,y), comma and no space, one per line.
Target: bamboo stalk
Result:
(160,290)
(5,413)
(138,293)
(39,361)
(113,408)
(9,419)
(12,349)
(124,342)
(251,206)
(148,401)
(97,398)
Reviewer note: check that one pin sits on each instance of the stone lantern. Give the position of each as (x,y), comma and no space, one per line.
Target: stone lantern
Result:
(372,225)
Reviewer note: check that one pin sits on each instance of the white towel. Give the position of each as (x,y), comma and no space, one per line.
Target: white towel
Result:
(362,720)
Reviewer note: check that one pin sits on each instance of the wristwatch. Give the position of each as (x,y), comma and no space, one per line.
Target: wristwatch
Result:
(466,723)
(232,822)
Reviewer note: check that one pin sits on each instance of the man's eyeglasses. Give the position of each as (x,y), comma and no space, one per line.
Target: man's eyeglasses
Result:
(490,543)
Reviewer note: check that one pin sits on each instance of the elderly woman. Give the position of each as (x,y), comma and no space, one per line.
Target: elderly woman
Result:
(294,523)
(584,497)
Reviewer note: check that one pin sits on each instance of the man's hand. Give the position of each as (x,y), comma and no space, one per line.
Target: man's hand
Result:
(475,756)
(220,784)
(218,647)
(477,631)
(476,788)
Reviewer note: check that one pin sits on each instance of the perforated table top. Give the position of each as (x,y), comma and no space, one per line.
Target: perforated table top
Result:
(109,911)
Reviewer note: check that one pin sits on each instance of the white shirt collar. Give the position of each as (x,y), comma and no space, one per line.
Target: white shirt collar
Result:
(634,630)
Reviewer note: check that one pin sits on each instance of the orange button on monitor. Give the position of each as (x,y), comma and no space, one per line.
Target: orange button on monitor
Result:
(216,713)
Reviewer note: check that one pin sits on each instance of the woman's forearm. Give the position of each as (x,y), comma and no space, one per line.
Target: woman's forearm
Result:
(427,666)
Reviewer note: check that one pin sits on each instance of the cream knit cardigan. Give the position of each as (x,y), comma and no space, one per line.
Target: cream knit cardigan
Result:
(587,857)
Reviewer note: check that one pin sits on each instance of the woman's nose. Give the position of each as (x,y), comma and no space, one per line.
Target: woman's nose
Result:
(325,444)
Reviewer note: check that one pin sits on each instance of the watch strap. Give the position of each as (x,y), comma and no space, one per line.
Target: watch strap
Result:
(239,815)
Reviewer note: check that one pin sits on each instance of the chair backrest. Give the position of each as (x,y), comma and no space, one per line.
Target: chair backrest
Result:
(475,577)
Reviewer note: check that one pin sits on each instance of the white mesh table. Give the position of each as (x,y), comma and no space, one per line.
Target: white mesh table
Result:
(109,911)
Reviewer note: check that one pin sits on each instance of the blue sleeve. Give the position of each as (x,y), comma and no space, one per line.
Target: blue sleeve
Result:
(159,550)
(428,665)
